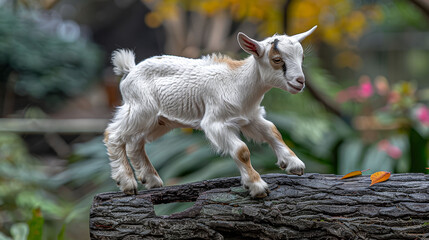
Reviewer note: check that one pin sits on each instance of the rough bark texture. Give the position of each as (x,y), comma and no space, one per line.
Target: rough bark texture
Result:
(312,206)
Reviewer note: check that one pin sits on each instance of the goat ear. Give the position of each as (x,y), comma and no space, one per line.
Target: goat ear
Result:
(249,45)
(301,36)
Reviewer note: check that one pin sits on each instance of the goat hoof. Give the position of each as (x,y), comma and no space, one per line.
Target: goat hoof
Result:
(297,171)
(153,181)
(132,191)
(258,189)
(128,186)
(293,166)
(261,195)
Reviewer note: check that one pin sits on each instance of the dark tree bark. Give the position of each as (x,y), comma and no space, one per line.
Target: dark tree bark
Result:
(312,206)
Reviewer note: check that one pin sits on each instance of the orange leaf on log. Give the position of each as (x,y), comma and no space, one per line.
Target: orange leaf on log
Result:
(379,177)
(353,174)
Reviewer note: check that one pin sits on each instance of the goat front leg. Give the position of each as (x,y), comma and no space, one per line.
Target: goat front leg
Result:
(260,130)
(226,140)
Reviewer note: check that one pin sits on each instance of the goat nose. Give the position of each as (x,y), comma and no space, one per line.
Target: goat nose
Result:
(300,80)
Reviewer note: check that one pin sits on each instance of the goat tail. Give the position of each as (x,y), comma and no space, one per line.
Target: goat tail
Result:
(123,61)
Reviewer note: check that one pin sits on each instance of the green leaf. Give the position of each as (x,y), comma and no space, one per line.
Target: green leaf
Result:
(36,225)
(222,167)
(177,143)
(61,233)
(350,155)
(189,162)
(376,159)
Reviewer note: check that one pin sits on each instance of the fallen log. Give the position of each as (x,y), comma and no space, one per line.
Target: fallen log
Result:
(312,206)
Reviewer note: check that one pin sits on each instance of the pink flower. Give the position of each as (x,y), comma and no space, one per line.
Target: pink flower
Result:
(391,150)
(357,93)
(351,93)
(383,145)
(365,87)
(394,152)
(423,115)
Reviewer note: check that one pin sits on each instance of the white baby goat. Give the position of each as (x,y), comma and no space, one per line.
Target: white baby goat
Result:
(216,94)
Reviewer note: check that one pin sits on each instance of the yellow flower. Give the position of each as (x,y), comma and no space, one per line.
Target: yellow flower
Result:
(153,19)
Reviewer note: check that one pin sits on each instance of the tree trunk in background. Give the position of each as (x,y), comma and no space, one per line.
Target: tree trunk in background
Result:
(313,206)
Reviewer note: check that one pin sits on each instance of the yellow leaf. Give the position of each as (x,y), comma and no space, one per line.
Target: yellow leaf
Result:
(353,174)
(187,130)
(379,177)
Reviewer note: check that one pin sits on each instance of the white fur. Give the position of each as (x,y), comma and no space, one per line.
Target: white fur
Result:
(166,92)
(123,61)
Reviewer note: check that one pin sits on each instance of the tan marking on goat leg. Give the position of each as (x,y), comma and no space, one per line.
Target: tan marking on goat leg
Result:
(147,163)
(105,140)
(106,136)
(127,167)
(279,137)
(243,155)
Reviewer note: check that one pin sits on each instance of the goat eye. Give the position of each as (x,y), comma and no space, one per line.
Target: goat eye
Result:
(277,60)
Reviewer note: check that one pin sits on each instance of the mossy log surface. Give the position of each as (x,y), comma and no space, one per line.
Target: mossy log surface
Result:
(312,206)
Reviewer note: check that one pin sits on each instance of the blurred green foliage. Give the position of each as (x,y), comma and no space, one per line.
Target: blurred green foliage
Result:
(26,185)
(401,15)
(23,187)
(49,68)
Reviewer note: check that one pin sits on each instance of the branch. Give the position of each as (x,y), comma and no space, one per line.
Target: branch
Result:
(42,126)
(422,5)
(312,206)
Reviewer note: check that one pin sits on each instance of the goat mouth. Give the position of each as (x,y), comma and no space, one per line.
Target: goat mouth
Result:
(294,88)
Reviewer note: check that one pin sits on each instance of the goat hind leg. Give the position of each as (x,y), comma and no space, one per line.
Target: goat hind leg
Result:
(144,170)
(122,172)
